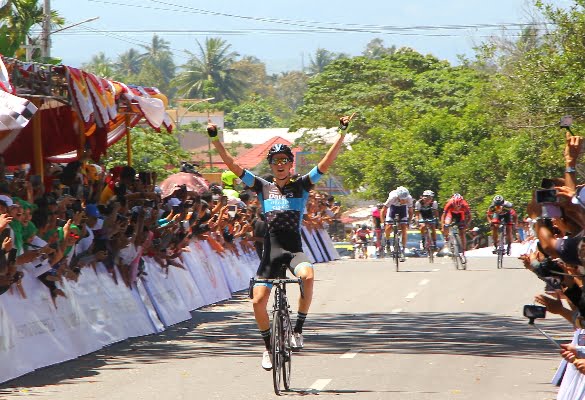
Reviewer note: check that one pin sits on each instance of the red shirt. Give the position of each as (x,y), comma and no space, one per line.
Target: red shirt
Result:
(464,209)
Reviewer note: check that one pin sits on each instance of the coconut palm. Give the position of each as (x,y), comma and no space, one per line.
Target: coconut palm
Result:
(159,56)
(129,63)
(17,18)
(211,72)
(100,65)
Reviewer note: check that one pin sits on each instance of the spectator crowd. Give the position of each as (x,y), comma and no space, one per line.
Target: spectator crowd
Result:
(81,214)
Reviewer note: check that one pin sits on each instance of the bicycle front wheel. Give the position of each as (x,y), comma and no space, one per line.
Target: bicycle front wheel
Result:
(430,249)
(277,347)
(501,250)
(287,356)
(454,252)
(396,252)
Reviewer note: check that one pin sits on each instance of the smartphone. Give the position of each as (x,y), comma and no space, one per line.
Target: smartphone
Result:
(4,234)
(224,200)
(66,191)
(178,209)
(149,204)
(61,222)
(551,211)
(232,208)
(546,196)
(566,121)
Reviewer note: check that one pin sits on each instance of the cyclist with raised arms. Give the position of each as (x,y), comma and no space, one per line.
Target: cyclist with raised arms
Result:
(426,209)
(399,202)
(502,211)
(283,203)
(456,211)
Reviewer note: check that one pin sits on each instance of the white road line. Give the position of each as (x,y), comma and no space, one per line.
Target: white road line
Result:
(373,331)
(436,270)
(424,282)
(396,311)
(320,384)
(350,354)
(411,295)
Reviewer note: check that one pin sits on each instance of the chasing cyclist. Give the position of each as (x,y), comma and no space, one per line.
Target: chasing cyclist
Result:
(399,202)
(362,236)
(502,211)
(456,211)
(283,202)
(377,224)
(427,209)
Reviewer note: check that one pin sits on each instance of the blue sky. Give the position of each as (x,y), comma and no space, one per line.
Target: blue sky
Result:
(282,51)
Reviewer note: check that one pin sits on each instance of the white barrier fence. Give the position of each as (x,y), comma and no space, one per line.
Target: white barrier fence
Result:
(98,312)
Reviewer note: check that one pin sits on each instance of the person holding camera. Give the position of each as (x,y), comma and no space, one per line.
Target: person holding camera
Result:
(283,202)
(499,212)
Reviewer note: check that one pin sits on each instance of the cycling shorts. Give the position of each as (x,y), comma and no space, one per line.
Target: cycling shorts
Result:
(456,218)
(402,212)
(377,222)
(505,218)
(282,250)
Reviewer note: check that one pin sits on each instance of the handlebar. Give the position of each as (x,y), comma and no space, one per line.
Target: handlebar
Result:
(275,281)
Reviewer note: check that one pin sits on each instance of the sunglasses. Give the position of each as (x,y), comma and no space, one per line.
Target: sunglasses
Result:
(280,161)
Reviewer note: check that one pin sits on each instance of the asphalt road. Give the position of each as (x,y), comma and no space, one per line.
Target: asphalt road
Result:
(427,332)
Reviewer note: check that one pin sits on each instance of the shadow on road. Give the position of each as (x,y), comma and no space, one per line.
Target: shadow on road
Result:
(224,330)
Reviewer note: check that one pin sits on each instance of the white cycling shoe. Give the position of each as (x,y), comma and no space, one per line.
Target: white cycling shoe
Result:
(266,361)
(296,341)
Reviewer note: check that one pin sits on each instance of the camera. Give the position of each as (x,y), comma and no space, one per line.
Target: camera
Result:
(546,196)
(547,268)
(566,121)
(532,311)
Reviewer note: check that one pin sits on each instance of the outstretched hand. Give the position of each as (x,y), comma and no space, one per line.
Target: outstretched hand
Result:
(211,130)
(572,148)
(344,121)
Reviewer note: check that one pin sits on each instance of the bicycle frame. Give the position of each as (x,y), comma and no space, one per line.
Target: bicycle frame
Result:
(501,240)
(455,246)
(429,238)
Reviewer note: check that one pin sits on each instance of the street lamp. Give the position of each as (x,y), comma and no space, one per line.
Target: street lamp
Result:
(179,119)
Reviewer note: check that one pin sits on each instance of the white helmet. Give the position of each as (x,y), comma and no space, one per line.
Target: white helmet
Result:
(402,192)
(429,193)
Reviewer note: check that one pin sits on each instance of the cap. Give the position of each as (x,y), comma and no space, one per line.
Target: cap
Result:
(475,229)
(6,200)
(91,210)
(579,198)
(173,201)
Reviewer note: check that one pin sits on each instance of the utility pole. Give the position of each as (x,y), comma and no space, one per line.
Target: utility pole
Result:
(45,36)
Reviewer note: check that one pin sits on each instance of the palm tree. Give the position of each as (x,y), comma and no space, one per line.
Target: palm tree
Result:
(159,56)
(100,65)
(129,63)
(322,59)
(17,18)
(211,72)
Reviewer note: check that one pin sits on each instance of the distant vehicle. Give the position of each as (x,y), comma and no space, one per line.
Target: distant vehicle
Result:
(413,246)
(345,249)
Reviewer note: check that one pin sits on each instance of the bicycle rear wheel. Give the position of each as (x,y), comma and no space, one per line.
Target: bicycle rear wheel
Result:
(430,248)
(287,355)
(277,347)
(454,251)
(396,252)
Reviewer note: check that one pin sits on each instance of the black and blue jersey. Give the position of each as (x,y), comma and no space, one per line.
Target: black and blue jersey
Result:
(283,207)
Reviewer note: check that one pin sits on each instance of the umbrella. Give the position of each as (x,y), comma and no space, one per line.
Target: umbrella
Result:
(193,183)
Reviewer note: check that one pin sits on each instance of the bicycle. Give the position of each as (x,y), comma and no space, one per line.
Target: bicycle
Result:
(428,247)
(281,349)
(500,251)
(361,250)
(396,242)
(455,247)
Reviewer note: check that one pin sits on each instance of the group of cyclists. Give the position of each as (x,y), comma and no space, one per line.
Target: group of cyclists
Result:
(400,208)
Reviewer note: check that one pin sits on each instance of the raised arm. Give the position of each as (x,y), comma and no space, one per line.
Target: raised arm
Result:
(223,153)
(331,155)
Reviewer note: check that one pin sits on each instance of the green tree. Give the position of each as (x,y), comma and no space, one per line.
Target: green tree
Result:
(211,73)
(151,151)
(254,113)
(100,65)
(290,88)
(322,59)
(376,49)
(17,18)
(158,67)
(129,63)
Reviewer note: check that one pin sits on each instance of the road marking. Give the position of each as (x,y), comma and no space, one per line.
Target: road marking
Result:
(411,295)
(396,311)
(350,354)
(436,270)
(373,331)
(320,384)
(424,282)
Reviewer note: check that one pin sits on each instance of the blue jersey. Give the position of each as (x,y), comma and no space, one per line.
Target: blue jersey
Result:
(284,206)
